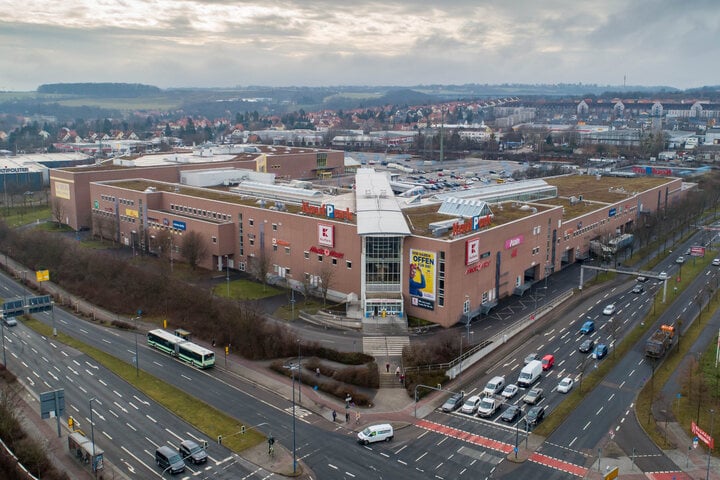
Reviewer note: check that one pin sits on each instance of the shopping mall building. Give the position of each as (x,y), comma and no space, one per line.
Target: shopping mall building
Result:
(442,258)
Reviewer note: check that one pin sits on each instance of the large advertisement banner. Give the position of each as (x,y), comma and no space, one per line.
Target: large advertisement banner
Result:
(422,274)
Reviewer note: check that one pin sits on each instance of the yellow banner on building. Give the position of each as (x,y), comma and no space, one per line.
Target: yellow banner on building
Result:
(129,212)
(422,274)
(62,190)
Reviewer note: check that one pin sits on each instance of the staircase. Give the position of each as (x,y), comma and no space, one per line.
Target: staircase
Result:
(389,380)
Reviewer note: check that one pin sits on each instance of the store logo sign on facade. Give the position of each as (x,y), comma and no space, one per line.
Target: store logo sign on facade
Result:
(327,252)
(513,242)
(326,235)
(472,251)
(478,267)
(327,211)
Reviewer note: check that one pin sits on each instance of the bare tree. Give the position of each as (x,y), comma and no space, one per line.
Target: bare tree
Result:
(194,248)
(260,267)
(58,210)
(327,274)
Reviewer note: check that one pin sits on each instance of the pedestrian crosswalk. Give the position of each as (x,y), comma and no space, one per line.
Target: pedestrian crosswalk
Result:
(385,346)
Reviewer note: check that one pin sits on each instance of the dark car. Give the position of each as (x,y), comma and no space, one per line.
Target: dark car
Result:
(192,452)
(638,289)
(453,403)
(587,346)
(512,412)
(535,415)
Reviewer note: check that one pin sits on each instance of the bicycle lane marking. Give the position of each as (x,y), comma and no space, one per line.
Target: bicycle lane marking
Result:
(466,436)
(557,464)
(502,447)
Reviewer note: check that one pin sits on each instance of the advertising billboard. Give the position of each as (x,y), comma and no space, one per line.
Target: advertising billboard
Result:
(421,279)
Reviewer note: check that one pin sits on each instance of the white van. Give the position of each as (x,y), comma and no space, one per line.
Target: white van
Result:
(494,386)
(376,433)
(530,373)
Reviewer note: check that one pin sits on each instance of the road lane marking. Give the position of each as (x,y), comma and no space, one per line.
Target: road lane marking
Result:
(586,426)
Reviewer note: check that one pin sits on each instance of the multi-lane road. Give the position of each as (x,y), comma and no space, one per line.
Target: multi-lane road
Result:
(129,426)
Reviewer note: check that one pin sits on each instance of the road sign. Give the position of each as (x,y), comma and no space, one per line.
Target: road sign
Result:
(52,403)
(695,442)
(612,473)
(42,275)
(13,308)
(39,304)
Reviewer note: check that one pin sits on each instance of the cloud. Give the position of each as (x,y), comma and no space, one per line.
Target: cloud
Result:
(316,42)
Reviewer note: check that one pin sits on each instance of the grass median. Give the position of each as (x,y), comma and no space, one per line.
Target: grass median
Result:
(200,415)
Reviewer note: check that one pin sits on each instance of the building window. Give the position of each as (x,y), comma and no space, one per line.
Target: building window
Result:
(214,239)
(322,160)
(334,261)
(251,222)
(320,257)
(348,263)
(274,227)
(307,255)
(287,250)
(274,248)
(251,241)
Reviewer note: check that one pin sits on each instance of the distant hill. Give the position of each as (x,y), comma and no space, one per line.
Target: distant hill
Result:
(114,90)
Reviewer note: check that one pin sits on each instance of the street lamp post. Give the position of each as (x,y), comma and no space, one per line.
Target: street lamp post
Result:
(712,417)
(52,315)
(137,359)
(92,435)
(2,333)
(293,410)
(467,317)
(299,373)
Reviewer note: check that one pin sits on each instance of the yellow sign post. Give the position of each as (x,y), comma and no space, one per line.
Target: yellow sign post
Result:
(612,473)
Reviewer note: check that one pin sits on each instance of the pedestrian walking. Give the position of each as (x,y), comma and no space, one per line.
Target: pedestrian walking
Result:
(397,372)
(357,418)
(387,367)
(213,342)
(317,372)
(334,415)
(402,378)
(347,417)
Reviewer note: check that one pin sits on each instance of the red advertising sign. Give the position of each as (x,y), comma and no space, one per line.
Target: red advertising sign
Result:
(702,435)
(697,251)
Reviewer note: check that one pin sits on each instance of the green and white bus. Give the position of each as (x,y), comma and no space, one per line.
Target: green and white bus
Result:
(186,351)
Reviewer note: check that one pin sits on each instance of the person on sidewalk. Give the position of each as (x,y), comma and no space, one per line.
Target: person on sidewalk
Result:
(317,372)
(334,415)
(357,418)
(347,416)
(397,371)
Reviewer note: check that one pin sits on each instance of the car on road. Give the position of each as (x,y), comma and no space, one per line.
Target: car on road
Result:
(587,346)
(565,385)
(638,289)
(453,403)
(511,413)
(609,309)
(600,351)
(471,405)
(192,452)
(535,415)
(533,396)
(495,385)
(588,327)
(9,321)
(680,259)
(530,358)
(716,262)
(488,406)
(642,279)
(664,275)
(510,391)
(548,361)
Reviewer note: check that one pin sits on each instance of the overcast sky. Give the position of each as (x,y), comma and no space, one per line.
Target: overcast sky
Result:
(220,43)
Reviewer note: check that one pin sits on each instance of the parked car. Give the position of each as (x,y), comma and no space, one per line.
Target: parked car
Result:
(609,309)
(530,358)
(588,327)
(535,415)
(600,351)
(510,391)
(587,346)
(511,413)
(453,403)
(471,405)
(192,452)
(548,361)
(533,396)
(565,385)
(638,289)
